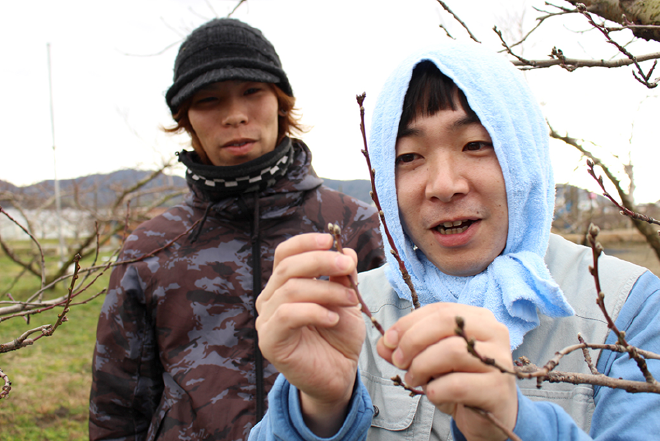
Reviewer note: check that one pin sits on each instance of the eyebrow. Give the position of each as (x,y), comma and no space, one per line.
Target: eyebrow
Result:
(467,120)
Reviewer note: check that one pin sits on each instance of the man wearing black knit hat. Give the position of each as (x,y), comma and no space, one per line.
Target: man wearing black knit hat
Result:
(176,354)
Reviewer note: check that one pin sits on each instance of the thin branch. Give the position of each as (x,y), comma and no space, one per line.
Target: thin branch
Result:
(640,75)
(587,357)
(235,8)
(457,18)
(22,307)
(496,422)
(335,230)
(17,260)
(6,388)
(524,369)
(41,251)
(625,211)
(374,197)
(61,318)
(139,184)
(597,249)
(541,19)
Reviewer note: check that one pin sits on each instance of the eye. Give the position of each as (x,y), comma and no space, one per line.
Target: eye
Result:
(251,90)
(206,99)
(201,100)
(477,146)
(405,158)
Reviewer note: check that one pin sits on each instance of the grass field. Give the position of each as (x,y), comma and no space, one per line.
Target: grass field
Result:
(51,379)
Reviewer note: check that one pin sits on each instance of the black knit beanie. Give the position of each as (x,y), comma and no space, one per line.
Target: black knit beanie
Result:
(224,49)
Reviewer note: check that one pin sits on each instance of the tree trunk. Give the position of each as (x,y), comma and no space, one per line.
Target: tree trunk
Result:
(638,12)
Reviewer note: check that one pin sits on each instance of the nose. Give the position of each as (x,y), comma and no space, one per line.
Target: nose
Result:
(235,113)
(446,179)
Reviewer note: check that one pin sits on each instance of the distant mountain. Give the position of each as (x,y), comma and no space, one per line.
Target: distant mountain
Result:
(100,190)
(358,188)
(94,191)
(7,186)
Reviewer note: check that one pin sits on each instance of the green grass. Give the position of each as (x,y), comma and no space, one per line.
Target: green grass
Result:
(51,379)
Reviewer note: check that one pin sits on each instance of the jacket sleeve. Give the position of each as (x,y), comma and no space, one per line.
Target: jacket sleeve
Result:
(126,372)
(618,414)
(284,420)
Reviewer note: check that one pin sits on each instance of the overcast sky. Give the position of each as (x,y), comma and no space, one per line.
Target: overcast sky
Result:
(111,65)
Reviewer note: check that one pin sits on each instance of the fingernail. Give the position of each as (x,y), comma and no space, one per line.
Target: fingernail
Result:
(333,317)
(352,297)
(409,379)
(397,358)
(391,339)
(322,240)
(343,262)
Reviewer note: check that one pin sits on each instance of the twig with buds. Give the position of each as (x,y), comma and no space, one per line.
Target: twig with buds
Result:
(41,251)
(374,197)
(640,76)
(626,212)
(597,249)
(335,230)
(6,388)
(524,369)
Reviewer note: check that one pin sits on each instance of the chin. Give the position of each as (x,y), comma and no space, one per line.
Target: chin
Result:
(462,271)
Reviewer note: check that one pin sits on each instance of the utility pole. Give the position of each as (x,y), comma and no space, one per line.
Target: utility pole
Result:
(58,202)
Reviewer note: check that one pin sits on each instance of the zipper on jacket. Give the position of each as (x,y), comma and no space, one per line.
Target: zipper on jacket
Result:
(256,290)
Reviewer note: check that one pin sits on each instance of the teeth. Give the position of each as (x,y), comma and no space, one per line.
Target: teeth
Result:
(453,230)
(452,224)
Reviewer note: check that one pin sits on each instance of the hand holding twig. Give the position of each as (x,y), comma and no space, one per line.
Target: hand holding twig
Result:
(335,230)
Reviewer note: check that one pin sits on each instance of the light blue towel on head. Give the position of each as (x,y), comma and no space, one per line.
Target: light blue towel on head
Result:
(517,282)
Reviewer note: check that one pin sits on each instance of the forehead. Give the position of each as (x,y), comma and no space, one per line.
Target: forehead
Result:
(448,122)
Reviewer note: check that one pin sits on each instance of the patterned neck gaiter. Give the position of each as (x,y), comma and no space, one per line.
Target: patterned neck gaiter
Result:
(216,183)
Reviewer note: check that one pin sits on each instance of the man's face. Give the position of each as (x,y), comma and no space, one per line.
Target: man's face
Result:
(450,191)
(235,121)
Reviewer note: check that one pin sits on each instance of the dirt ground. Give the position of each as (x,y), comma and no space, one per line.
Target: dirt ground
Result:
(628,245)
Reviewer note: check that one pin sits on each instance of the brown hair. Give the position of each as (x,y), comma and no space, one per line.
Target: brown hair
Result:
(288,121)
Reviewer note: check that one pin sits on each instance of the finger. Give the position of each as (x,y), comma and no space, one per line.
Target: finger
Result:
(277,332)
(346,280)
(428,325)
(451,355)
(310,265)
(302,243)
(485,391)
(323,292)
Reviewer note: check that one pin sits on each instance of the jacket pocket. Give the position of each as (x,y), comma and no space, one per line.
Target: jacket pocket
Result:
(394,408)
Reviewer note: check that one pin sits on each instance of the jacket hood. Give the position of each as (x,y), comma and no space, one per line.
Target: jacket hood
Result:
(516,282)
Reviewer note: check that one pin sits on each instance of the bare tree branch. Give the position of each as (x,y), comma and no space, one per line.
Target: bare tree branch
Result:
(457,18)
(649,233)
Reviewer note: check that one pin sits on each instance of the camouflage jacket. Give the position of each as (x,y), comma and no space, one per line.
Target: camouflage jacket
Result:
(176,354)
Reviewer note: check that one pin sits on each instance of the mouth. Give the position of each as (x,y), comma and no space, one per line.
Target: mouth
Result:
(454,227)
(238,142)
